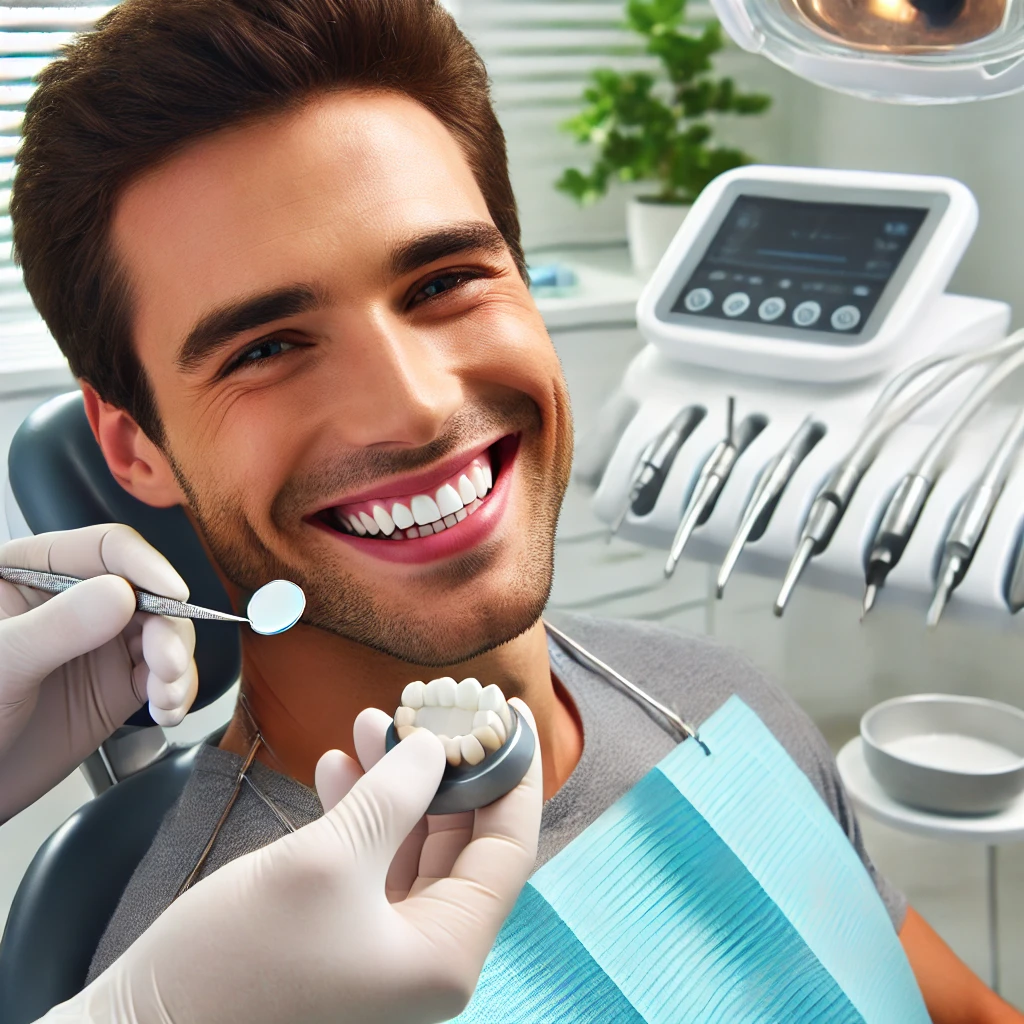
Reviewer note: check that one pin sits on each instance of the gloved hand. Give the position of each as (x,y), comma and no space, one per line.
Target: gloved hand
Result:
(304,931)
(75,665)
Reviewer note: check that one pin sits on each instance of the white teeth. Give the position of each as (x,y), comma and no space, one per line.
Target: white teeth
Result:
(472,749)
(476,475)
(490,720)
(356,525)
(450,521)
(424,510)
(467,694)
(369,524)
(459,516)
(467,492)
(384,521)
(452,750)
(425,531)
(488,475)
(412,695)
(448,500)
(487,738)
(492,699)
(471,721)
(414,532)
(438,527)
(445,688)
(404,730)
(402,516)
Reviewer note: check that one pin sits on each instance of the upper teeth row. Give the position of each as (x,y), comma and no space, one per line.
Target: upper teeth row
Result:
(471,720)
(424,515)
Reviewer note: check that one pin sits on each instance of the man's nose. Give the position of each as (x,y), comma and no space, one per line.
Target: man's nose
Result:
(399,384)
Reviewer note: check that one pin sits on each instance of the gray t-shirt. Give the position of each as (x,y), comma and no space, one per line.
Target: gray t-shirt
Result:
(622,741)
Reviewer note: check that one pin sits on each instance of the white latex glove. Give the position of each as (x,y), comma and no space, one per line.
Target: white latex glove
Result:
(75,666)
(303,931)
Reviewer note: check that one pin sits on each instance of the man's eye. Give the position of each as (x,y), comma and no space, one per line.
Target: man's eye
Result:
(441,284)
(260,353)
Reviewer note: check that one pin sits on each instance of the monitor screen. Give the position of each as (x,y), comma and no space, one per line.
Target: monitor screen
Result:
(804,265)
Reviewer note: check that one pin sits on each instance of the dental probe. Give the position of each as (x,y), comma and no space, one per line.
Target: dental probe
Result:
(685,730)
(905,507)
(771,483)
(714,475)
(969,525)
(833,499)
(655,462)
(274,608)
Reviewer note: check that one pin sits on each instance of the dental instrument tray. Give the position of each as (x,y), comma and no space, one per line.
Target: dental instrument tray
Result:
(946,754)
(488,744)
(748,306)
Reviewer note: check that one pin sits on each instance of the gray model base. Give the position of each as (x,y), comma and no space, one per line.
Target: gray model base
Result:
(470,787)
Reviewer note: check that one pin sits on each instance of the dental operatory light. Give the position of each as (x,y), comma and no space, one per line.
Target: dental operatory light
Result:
(898,51)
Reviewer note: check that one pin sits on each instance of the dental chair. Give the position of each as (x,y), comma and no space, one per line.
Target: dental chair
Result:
(58,480)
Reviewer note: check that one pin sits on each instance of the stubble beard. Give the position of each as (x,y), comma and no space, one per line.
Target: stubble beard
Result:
(345,605)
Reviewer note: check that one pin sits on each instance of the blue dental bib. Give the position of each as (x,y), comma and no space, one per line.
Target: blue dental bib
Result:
(718,889)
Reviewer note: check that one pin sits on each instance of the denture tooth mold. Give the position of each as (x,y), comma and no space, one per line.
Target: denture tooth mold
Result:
(487,743)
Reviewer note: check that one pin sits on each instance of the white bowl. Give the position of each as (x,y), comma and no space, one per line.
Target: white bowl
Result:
(953,755)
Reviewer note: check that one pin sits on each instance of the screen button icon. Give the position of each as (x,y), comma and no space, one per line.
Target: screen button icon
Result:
(845,318)
(736,304)
(698,300)
(806,314)
(771,309)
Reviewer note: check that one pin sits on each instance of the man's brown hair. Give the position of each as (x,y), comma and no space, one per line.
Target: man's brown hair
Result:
(157,74)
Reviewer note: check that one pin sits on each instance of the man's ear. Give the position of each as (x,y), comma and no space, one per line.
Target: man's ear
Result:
(135,462)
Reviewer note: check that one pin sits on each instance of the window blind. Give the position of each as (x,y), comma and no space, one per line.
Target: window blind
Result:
(29,38)
(539,54)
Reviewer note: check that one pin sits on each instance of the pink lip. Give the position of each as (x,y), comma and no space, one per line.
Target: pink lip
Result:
(416,483)
(473,530)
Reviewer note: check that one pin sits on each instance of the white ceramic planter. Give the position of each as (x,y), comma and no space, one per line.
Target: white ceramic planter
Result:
(650,226)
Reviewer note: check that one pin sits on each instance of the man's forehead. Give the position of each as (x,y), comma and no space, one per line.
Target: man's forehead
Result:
(337,184)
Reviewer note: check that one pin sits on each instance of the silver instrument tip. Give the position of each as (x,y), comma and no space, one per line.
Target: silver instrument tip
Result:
(870,593)
(943,591)
(793,574)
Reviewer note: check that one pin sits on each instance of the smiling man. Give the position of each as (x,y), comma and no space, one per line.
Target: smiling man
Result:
(277,241)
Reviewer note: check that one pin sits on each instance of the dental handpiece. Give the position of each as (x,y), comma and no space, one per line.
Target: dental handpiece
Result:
(713,476)
(655,463)
(771,483)
(971,520)
(272,609)
(905,507)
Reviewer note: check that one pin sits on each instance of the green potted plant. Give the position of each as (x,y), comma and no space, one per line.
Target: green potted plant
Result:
(646,129)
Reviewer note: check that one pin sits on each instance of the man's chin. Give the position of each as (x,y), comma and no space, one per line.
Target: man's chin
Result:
(442,638)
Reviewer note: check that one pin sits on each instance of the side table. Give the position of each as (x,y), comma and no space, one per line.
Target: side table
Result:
(991,829)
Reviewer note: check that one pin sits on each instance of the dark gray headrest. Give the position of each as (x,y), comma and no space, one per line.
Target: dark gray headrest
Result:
(61,482)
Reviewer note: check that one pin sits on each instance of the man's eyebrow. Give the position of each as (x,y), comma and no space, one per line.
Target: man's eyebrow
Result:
(217,328)
(447,241)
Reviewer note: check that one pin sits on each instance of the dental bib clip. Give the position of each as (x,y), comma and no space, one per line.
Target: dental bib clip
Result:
(476,774)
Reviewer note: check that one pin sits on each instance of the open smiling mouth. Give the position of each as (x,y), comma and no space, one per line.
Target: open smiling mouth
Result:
(440,508)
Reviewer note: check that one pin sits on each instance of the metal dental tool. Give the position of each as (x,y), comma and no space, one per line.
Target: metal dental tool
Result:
(891,409)
(904,508)
(655,462)
(713,476)
(969,525)
(771,484)
(274,608)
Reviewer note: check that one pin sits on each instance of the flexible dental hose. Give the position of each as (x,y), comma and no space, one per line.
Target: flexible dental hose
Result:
(895,408)
(929,463)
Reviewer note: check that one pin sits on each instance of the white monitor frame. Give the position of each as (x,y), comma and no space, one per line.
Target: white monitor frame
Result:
(772,350)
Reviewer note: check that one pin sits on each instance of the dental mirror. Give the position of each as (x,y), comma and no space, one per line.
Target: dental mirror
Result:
(276,607)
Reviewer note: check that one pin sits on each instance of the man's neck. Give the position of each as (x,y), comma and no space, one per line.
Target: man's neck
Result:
(305,688)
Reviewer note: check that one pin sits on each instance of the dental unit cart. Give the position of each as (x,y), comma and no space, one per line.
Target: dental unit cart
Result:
(778,324)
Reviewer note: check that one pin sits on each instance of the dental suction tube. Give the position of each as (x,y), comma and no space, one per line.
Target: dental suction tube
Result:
(892,409)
